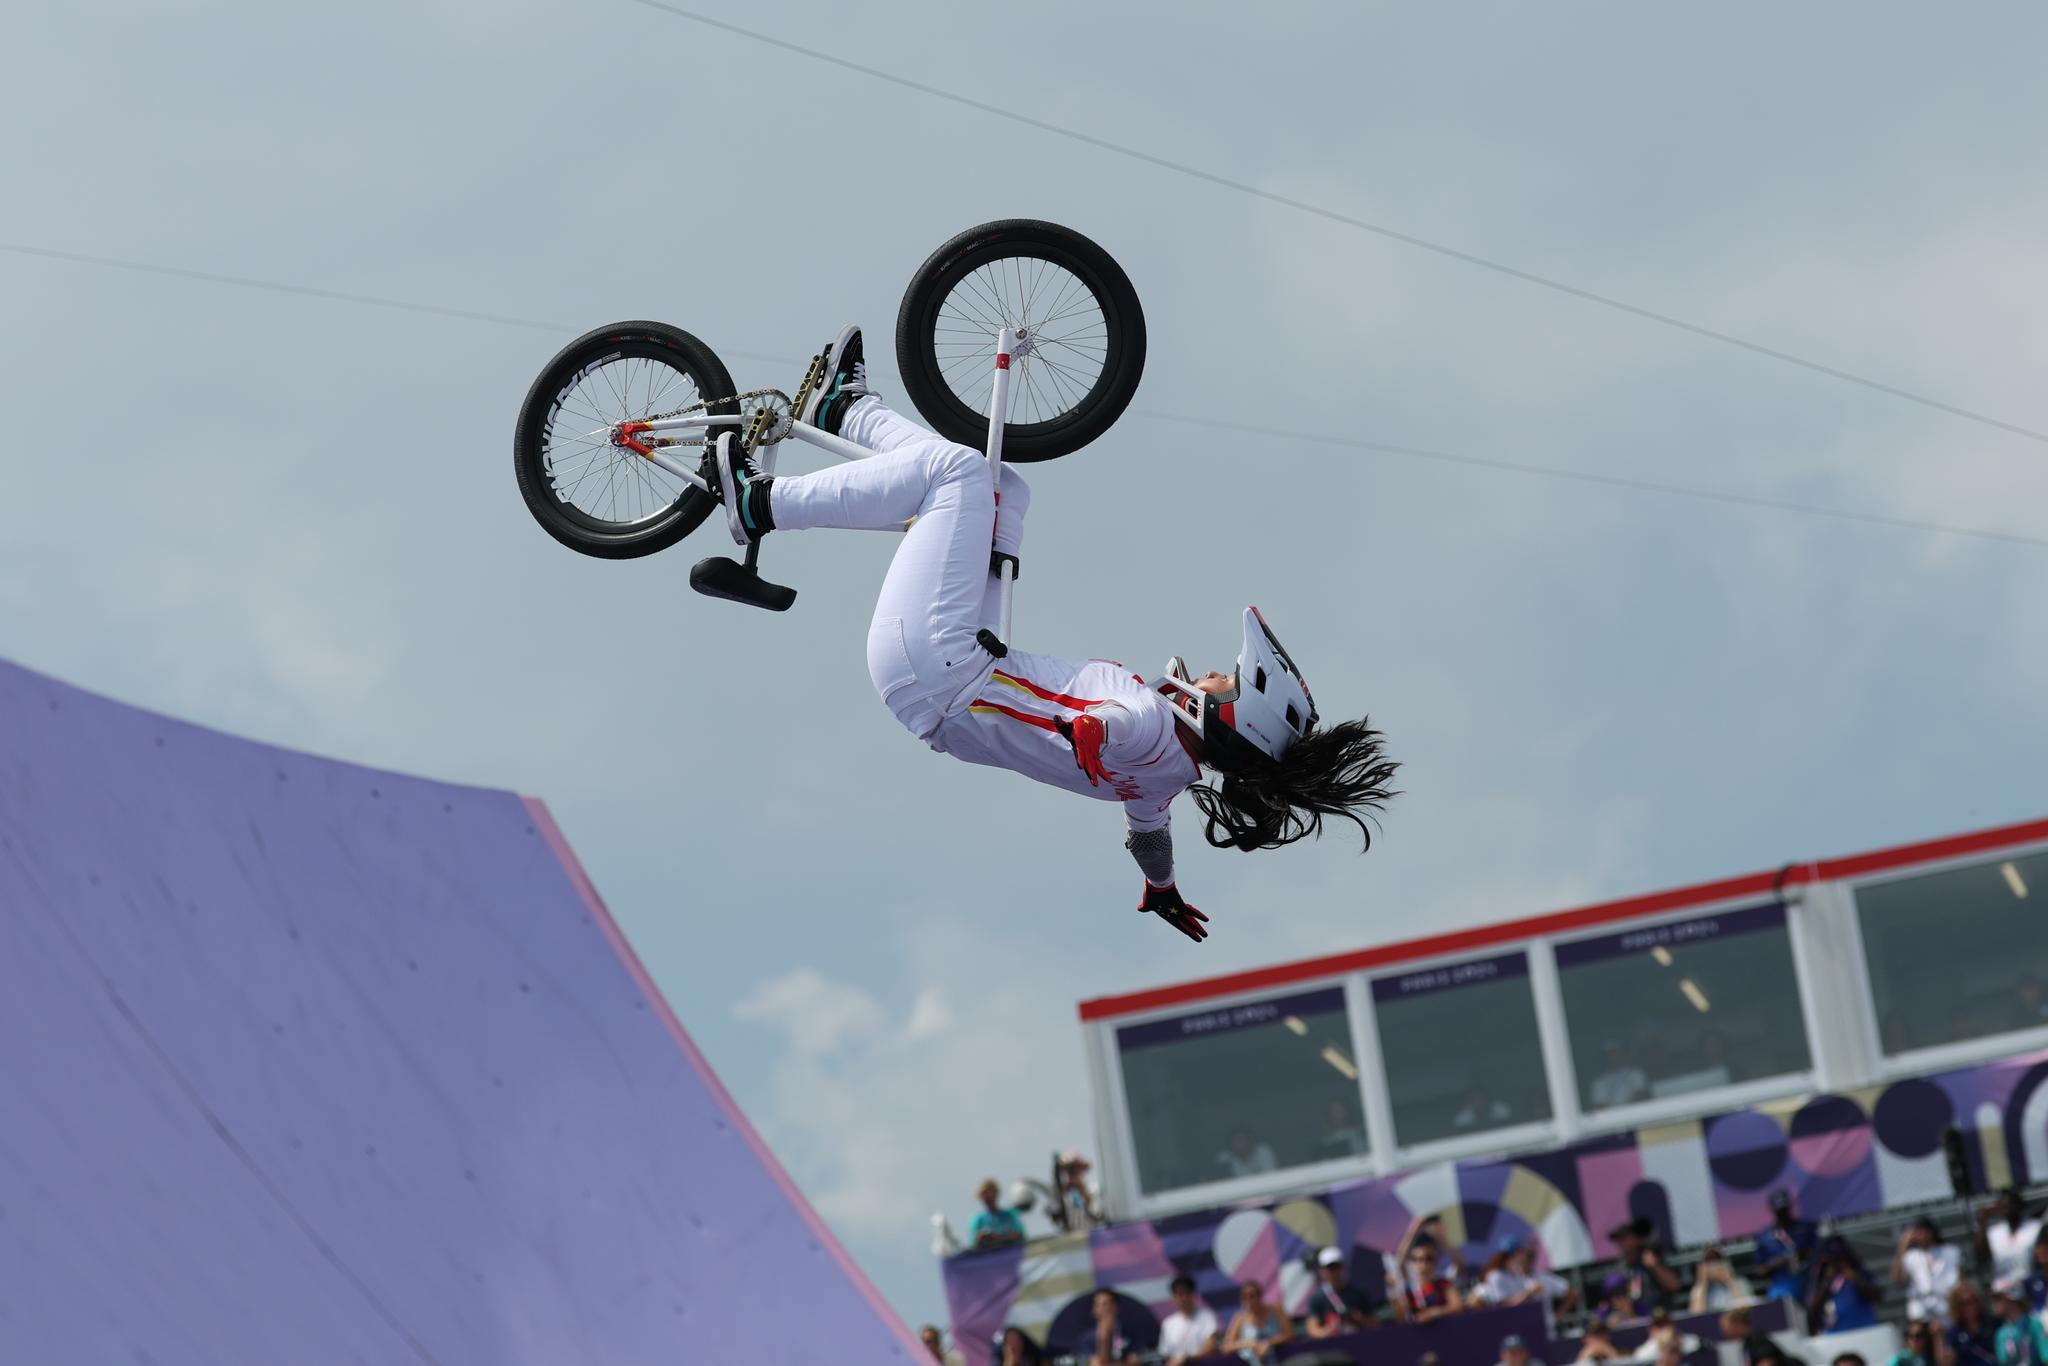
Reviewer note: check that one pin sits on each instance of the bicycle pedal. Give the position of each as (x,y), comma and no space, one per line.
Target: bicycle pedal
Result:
(719,577)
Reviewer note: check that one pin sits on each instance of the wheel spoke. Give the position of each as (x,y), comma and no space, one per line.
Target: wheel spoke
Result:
(585,471)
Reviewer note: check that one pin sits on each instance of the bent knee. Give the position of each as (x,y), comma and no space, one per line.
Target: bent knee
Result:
(964,464)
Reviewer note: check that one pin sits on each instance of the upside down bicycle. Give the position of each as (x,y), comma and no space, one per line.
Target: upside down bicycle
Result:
(1019,337)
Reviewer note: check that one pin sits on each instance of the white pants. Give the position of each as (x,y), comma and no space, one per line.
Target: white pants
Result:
(938,593)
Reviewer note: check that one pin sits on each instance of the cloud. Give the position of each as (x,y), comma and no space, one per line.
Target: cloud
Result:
(887,1114)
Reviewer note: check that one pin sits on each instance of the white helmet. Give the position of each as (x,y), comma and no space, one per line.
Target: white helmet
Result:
(1253,722)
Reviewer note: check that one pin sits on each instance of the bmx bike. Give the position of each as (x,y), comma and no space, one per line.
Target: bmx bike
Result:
(1019,337)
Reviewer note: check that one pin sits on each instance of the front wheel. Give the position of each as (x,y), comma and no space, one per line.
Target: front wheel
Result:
(587,491)
(1082,337)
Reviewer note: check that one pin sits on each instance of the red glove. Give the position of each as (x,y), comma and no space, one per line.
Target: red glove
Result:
(1165,903)
(1085,734)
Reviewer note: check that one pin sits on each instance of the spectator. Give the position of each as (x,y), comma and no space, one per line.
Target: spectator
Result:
(1515,1352)
(1651,1283)
(1971,1339)
(1757,1347)
(1511,1277)
(1784,1249)
(1429,1359)
(1018,1349)
(1257,1328)
(1105,1344)
(933,1343)
(1428,1229)
(1425,1292)
(1843,1299)
(1247,1156)
(1848,1359)
(1335,1306)
(1918,1349)
(1481,1111)
(1621,1082)
(1715,1286)
(1616,1300)
(1077,1209)
(1929,1268)
(1665,1339)
(2006,1237)
(1598,1343)
(1342,1136)
(2037,1278)
(1190,1330)
(993,1225)
(2021,1341)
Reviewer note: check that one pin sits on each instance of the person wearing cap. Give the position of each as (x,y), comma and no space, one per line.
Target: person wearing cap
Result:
(1652,1284)
(2021,1340)
(1843,1298)
(1511,1277)
(2006,1236)
(1617,1301)
(1929,1268)
(1335,1306)
(1515,1352)
(1077,1207)
(1785,1248)
(993,1225)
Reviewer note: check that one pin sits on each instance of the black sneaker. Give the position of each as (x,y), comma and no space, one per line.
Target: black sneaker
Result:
(744,492)
(845,382)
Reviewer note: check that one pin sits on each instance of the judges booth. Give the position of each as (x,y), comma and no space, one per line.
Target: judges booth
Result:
(1819,977)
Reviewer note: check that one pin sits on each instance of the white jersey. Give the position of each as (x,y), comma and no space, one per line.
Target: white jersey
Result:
(1010,724)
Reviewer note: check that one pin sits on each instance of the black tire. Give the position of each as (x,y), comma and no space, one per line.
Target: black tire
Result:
(936,336)
(558,415)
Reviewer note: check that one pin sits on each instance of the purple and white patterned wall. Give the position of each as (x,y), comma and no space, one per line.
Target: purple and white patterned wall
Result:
(1702,1181)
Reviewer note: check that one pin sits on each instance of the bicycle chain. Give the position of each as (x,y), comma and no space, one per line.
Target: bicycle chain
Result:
(766,427)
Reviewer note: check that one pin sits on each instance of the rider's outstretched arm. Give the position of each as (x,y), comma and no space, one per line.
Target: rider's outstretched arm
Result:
(1153,850)
(1097,736)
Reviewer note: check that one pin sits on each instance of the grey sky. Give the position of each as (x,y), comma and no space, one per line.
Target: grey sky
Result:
(295,518)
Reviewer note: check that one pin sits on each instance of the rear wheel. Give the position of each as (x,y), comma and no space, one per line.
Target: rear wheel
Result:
(587,491)
(1082,351)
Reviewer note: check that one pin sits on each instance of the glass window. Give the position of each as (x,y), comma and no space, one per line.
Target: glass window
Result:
(1958,954)
(1461,1048)
(1665,1010)
(1241,1090)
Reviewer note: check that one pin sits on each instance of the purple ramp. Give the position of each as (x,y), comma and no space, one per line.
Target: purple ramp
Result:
(302,1063)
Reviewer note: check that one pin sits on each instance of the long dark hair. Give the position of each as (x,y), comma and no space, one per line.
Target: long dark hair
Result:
(1342,771)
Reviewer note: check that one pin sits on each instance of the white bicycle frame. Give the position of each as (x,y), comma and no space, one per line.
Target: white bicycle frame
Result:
(998,413)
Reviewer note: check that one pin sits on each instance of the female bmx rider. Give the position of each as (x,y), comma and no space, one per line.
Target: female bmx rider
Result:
(1089,726)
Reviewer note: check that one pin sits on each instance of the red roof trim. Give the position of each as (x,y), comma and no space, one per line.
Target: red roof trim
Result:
(1556,922)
